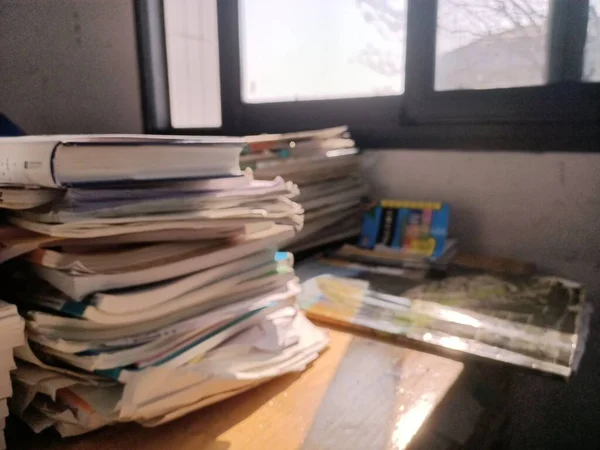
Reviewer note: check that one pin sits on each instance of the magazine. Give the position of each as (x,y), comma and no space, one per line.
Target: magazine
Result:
(534,322)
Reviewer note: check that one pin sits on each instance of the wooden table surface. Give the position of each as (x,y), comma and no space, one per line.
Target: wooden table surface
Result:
(361,393)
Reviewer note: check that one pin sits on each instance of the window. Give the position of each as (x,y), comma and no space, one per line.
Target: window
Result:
(349,49)
(193,63)
(503,74)
(591,67)
(487,45)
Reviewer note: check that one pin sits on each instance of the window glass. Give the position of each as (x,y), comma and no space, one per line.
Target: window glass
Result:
(591,55)
(487,44)
(321,49)
(192,43)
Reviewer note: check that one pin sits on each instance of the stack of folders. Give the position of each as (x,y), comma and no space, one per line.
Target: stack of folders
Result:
(326,165)
(151,283)
(11,336)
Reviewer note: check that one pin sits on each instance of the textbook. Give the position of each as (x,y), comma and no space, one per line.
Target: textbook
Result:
(64,160)
(77,286)
(216,293)
(104,205)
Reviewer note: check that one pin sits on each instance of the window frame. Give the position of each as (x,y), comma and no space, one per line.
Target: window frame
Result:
(563,100)
(152,59)
(563,115)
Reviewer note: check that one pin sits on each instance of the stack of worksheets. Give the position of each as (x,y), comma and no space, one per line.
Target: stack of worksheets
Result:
(11,336)
(325,164)
(151,289)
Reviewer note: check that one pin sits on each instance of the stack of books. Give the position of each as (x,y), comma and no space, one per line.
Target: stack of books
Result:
(326,165)
(11,336)
(151,282)
(398,237)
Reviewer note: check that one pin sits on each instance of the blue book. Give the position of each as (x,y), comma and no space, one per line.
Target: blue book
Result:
(416,228)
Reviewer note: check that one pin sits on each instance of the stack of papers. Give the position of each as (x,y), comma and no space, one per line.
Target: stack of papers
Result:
(147,299)
(326,166)
(11,336)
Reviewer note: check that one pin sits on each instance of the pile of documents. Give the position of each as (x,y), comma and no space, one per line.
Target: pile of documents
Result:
(149,291)
(11,336)
(326,166)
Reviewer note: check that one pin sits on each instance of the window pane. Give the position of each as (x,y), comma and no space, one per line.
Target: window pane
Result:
(193,63)
(591,55)
(483,44)
(321,49)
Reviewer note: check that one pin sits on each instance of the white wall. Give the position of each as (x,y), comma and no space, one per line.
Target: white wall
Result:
(69,66)
(543,208)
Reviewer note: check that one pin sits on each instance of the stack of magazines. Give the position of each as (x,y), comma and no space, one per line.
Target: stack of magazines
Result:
(538,322)
(11,334)
(326,165)
(151,284)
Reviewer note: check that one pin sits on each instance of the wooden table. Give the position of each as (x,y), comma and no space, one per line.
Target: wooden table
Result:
(361,393)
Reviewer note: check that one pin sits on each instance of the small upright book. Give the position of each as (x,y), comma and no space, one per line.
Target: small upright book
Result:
(417,228)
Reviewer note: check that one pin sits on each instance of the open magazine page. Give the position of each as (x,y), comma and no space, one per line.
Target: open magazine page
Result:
(533,322)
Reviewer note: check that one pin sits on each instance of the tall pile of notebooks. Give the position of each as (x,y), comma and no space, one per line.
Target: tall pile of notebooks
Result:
(150,282)
(11,336)
(325,164)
